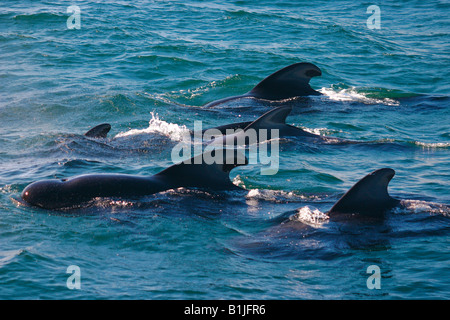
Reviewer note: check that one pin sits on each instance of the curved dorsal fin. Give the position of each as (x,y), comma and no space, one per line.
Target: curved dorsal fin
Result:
(291,81)
(100,131)
(369,196)
(271,119)
(208,170)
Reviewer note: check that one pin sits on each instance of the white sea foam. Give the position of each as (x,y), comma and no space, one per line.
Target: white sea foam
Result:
(433,145)
(309,216)
(272,195)
(317,131)
(324,132)
(418,206)
(156,125)
(351,94)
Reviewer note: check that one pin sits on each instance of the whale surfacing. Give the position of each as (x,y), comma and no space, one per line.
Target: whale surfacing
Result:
(100,131)
(290,82)
(193,173)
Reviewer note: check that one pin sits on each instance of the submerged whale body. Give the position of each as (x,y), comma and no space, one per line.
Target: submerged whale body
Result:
(73,192)
(289,82)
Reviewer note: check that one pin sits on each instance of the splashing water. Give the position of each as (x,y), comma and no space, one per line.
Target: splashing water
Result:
(351,95)
(309,216)
(172,130)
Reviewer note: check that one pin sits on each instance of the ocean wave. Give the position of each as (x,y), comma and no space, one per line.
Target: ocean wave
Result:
(8,255)
(197,91)
(41,17)
(432,145)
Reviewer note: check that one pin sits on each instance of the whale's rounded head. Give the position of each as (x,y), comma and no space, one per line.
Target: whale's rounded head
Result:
(45,194)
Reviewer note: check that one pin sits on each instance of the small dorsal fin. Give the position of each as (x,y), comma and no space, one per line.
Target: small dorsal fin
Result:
(291,81)
(271,119)
(100,131)
(209,170)
(369,196)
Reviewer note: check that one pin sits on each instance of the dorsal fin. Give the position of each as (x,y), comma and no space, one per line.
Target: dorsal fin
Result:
(369,196)
(291,81)
(271,119)
(100,131)
(209,170)
(274,119)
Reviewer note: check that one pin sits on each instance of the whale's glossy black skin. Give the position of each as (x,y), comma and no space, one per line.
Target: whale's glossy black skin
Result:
(368,197)
(289,82)
(274,119)
(100,131)
(366,200)
(65,193)
(75,191)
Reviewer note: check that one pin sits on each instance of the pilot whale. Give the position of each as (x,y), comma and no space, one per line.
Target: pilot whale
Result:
(100,131)
(192,173)
(368,197)
(367,201)
(290,82)
(359,219)
(272,119)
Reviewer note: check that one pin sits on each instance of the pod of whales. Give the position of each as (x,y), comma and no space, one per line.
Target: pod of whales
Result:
(369,196)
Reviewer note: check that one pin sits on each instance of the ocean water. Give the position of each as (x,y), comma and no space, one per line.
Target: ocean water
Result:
(148,68)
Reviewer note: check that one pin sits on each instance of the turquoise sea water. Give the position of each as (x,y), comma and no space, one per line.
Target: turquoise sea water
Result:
(148,67)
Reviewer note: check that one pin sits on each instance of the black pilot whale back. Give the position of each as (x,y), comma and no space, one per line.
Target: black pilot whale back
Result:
(73,192)
(289,82)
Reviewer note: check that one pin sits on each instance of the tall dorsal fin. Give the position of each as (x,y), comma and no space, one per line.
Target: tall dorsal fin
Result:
(369,196)
(209,170)
(100,131)
(271,119)
(274,119)
(291,81)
